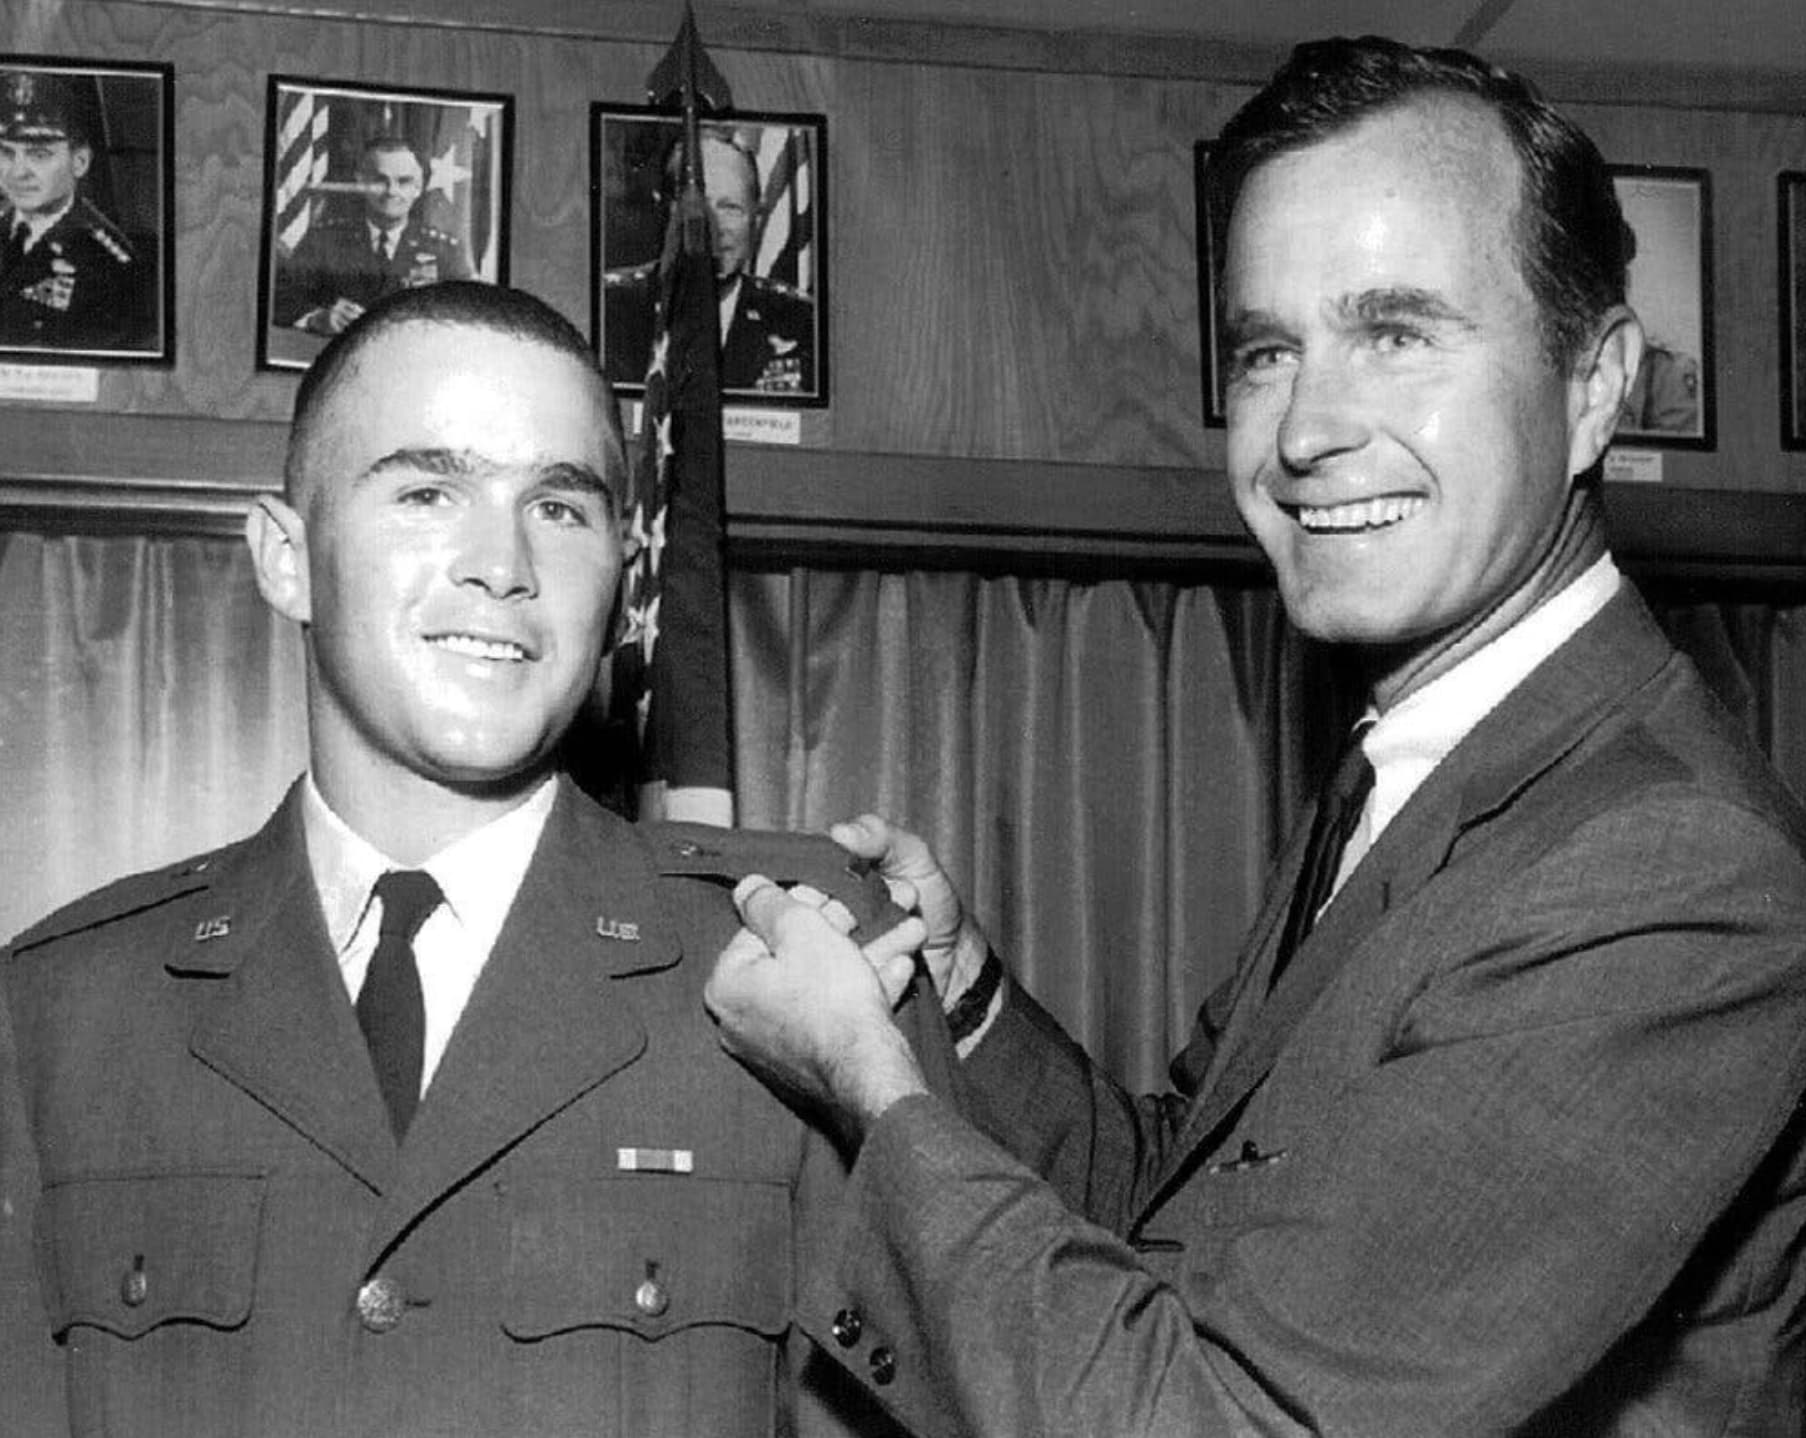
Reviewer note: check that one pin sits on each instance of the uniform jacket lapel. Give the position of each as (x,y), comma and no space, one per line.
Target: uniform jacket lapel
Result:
(1586,680)
(282,1027)
(552,1015)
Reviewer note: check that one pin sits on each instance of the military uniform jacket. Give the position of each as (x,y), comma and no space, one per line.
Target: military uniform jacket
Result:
(1515,1144)
(594,1224)
(335,261)
(81,286)
(769,347)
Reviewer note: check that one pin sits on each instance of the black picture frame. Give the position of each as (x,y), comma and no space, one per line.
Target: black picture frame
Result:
(1672,404)
(97,284)
(1790,224)
(1210,289)
(317,255)
(775,350)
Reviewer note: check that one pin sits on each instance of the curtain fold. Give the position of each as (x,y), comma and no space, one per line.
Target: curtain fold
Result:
(1105,768)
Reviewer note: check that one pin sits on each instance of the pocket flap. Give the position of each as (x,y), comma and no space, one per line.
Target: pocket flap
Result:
(649,1253)
(126,1253)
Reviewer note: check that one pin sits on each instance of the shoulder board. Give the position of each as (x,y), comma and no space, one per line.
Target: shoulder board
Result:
(106,234)
(705,851)
(631,275)
(120,899)
(444,237)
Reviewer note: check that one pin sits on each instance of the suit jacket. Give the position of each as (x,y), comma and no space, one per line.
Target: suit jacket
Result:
(594,1224)
(82,286)
(1514,1145)
(334,261)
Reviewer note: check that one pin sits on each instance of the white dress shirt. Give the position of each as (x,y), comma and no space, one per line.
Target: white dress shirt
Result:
(1409,740)
(479,875)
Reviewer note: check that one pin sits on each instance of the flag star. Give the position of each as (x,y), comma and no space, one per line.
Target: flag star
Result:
(445,174)
(655,541)
(648,628)
(666,449)
(642,708)
(661,352)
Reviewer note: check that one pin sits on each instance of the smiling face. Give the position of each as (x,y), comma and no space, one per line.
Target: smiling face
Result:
(454,560)
(392,182)
(1399,442)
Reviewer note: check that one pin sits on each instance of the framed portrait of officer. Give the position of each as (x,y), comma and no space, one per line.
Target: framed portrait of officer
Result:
(764,182)
(87,184)
(368,190)
(1668,220)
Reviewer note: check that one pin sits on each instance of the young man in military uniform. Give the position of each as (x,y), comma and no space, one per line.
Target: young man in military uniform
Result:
(69,277)
(403,1115)
(767,328)
(342,267)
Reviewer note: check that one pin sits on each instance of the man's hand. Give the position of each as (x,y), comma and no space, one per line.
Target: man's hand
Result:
(331,319)
(955,948)
(806,1008)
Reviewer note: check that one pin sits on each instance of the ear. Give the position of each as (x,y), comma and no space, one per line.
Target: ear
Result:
(1596,390)
(80,158)
(277,536)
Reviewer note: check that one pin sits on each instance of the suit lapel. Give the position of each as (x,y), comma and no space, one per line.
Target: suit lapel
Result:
(548,1020)
(1531,729)
(283,1028)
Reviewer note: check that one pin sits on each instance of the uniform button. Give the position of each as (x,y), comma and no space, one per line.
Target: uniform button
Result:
(884,1366)
(847,1327)
(134,1287)
(651,1298)
(380,1304)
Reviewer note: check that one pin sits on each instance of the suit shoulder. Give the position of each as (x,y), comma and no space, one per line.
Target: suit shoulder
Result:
(124,899)
(104,233)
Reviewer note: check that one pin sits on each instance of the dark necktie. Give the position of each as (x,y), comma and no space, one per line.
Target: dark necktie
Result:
(1339,809)
(389,1006)
(14,248)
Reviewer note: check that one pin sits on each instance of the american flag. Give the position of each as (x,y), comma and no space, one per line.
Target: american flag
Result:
(671,667)
(303,121)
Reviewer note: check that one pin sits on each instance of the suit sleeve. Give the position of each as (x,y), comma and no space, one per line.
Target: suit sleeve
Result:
(1567,1119)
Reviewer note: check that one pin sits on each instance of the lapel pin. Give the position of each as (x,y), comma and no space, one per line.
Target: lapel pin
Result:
(655,1160)
(618,929)
(216,928)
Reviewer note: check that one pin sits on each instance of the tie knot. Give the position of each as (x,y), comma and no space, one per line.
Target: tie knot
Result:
(1353,776)
(408,897)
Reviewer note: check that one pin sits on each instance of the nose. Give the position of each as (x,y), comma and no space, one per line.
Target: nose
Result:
(1323,417)
(494,555)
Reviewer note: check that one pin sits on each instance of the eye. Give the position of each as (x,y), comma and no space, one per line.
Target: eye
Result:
(423,496)
(1252,361)
(562,512)
(1395,338)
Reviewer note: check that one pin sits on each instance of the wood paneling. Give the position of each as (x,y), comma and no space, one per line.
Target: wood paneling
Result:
(1012,260)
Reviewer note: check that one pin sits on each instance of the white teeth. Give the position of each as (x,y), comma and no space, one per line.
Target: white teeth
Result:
(479,648)
(1362,514)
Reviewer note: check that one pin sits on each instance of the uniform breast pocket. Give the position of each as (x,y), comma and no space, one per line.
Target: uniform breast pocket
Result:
(648,1303)
(128,1253)
(649,1254)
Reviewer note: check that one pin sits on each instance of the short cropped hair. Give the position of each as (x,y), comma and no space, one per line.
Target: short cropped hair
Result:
(1568,226)
(454,304)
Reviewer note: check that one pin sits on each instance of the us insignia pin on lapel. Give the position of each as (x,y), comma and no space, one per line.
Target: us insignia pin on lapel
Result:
(618,929)
(216,928)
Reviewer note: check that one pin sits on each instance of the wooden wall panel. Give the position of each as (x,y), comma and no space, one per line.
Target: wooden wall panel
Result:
(1012,266)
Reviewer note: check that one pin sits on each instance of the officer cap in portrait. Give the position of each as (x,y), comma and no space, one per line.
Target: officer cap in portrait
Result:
(35,106)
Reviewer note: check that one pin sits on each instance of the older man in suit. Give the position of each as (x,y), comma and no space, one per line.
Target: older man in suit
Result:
(1498,1127)
(403,1115)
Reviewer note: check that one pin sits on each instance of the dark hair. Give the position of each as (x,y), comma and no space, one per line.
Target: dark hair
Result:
(467,304)
(1568,224)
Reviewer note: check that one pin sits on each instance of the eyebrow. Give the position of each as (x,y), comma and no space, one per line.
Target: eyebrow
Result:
(454,463)
(1368,307)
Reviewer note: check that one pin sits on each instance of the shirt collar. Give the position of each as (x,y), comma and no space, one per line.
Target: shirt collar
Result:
(1412,738)
(479,874)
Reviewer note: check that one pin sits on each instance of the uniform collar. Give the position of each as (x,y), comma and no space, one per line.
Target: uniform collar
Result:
(479,874)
